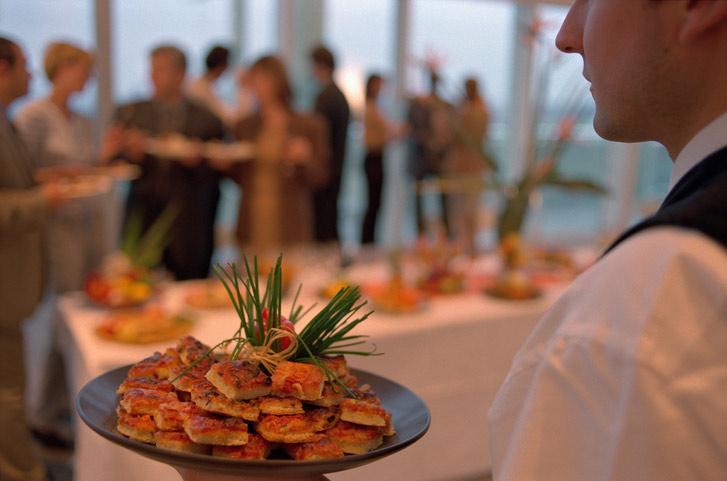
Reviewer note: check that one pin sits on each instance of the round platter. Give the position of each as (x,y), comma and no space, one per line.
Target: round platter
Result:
(97,401)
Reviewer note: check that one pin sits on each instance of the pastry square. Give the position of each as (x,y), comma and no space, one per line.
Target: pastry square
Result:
(157,365)
(192,376)
(280,406)
(170,416)
(323,418)
(332,396)
(140,427)
(179,441)
(150,383)
(207,397)
(296,428)
(355,439)
(216,430)
(337,364)
(298,380)
(191,350)
(322,448)
(145,401)
(365,412)
(239,380)
(256,448)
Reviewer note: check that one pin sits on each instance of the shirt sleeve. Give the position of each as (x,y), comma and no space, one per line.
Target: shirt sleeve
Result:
(625,377)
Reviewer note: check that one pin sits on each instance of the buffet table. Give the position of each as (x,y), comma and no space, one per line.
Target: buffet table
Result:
(454,354)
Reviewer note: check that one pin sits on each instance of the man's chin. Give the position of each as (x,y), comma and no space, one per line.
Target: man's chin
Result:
(616,131)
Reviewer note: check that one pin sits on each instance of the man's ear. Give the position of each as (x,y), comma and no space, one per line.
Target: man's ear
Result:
(702,16)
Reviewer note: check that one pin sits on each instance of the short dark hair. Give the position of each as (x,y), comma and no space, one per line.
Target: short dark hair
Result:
(175,52)
(8,51)
(216,57)
(323,57)
(371,82)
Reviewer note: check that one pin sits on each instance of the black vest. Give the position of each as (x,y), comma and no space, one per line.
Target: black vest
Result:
(698,202)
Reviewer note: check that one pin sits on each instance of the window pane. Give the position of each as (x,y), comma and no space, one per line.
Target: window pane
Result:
(564,213)
(261,30)
(361,33)
(140,25)
(34,24)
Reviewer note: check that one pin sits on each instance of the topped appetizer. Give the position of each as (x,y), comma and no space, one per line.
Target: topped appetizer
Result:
(266,391)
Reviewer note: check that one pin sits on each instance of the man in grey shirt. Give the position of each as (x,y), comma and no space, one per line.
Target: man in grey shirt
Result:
(23,207)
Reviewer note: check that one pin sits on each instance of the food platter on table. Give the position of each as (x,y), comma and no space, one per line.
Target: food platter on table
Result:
(264,394)
(395,297)
(144,326)
(207,294)
(514,285)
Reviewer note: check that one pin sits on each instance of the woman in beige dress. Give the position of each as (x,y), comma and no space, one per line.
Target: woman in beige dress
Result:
(291,159)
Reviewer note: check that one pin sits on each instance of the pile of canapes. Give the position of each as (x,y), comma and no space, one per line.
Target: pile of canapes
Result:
(267,391)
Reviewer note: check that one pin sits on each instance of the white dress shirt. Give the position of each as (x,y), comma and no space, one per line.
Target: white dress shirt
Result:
(625,378)
(202,89)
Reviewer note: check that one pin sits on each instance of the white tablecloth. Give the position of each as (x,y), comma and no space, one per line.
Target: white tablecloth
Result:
(454,355)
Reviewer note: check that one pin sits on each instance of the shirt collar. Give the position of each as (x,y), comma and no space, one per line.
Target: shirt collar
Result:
(708,141)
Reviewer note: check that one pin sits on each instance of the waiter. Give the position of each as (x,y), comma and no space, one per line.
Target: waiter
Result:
(331,104)
(625,378)
(188,182)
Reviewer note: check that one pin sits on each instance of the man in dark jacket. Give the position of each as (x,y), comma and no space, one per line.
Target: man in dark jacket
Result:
(332,105)
(187,182)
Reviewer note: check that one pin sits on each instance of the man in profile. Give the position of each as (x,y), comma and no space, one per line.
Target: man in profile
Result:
(625,378)
(185,180)
(23,209)
(331,104)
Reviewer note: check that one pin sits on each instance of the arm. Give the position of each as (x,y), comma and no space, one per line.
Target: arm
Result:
(22,210)
(624,378)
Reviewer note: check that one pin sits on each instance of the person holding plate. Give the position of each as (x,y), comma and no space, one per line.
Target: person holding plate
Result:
(291,159)
(23,210)
(625,376)
(175,172)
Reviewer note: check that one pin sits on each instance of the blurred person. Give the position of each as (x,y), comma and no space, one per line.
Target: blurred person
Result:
(624,378)
(202,89)
(430,125)
(331,104)
(23,209)
(60,142)
(378,132)
(188,182)
(466,161)
(291,160)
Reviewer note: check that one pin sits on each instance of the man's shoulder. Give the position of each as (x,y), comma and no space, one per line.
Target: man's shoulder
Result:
(644,303)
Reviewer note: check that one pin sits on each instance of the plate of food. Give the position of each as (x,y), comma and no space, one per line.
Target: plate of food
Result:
(144,326)
(395,297)
(207,294)
(273,400)
(514,286)
(83,185)
(231,152)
